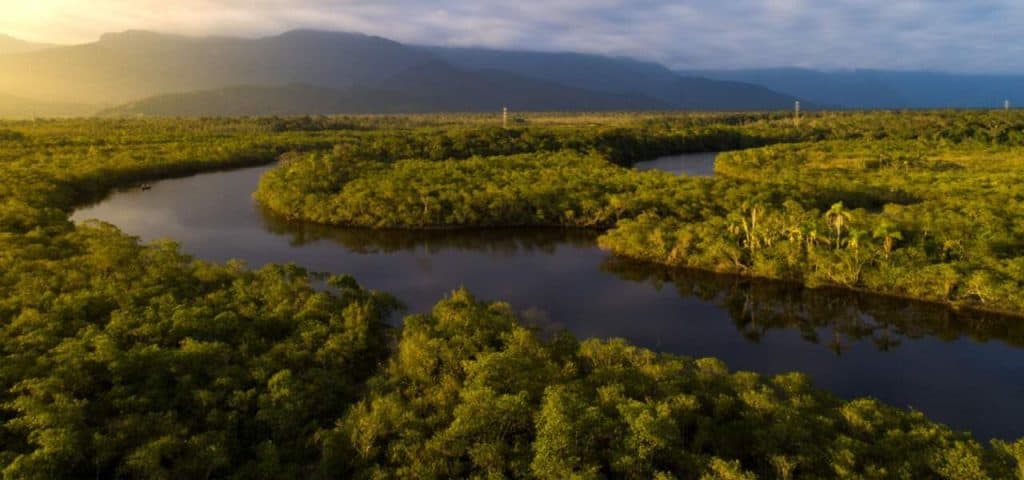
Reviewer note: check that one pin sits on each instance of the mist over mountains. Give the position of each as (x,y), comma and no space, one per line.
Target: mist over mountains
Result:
(146,73)
(141,73)
(10,44)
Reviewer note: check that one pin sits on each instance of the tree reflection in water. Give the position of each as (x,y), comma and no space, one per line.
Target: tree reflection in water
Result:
(834,318)
(828,316)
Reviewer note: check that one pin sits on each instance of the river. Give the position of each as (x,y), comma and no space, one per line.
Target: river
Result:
(962,369)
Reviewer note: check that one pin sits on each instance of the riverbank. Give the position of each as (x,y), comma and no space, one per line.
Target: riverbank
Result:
(130,359)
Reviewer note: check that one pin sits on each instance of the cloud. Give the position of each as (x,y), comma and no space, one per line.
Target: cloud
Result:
(949,35)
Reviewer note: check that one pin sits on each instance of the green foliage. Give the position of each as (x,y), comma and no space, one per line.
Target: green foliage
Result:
(923,205)
(945,227)
(142,362)
(546,189)
(9,135)
(471,393)
(122,360)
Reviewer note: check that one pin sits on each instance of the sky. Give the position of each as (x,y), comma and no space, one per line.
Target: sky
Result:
(941,35)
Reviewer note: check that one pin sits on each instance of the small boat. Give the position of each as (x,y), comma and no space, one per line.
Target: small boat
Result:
(145,186)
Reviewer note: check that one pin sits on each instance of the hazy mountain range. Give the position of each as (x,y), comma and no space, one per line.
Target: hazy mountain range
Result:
(17,107)
(148,73)
(299,72)
(10,44)
(870,89)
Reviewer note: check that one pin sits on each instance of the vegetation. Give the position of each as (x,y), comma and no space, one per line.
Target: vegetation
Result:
(136,361)
(835,318)
(919,219)
(470,392)
(924,205)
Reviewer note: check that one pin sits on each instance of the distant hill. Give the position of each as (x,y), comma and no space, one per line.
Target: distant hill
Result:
(145,73)
(16,107)
(10,44)
(623,76)
(869,89)
(438,86)
(308,71)
(445,87)
(591,72)
(698,93)
(131,65)
(248,100)
(432,87)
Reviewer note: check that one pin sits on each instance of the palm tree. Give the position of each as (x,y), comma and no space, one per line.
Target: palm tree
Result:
(796,234)
(889,234)
(854,238)
(813,239)
(837,217)
(750,229)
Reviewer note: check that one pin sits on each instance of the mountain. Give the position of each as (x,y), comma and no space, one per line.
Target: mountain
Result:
(591,72)
(448,88)
(10,44)
(248,100)
(17,107)
(868,89)
(146,73)
(433,87)
(308,71)
(698,93)
(622,76)
(131,65)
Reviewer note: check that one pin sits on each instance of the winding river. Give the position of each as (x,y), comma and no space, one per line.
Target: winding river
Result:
(962,369)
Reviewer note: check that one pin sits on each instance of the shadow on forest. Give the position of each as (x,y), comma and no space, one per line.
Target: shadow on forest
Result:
(869,197)
(504,241)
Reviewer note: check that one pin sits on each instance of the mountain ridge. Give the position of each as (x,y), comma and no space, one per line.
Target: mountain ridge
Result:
(431,87)
(17,108)
(11,45)
(883,89)
(128,66)
(135,69)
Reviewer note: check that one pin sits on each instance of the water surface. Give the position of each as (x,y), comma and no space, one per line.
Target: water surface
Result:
(693,164)
(966,370)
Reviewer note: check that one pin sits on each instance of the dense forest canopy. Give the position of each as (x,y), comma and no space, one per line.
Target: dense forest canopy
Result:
(924,205)
(122,360)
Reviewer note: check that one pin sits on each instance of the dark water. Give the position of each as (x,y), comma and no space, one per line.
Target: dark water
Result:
(966,370)
(693,164)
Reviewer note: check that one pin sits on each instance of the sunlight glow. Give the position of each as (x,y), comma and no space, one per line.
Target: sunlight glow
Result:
(41,20)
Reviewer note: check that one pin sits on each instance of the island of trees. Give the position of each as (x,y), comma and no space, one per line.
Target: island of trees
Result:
(123,360)
(922,205)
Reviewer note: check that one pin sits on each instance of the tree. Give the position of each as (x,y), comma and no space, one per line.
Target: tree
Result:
(837,217)
(889,234)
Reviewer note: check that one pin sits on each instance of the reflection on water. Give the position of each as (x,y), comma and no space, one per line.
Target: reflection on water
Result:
(693,164)
(495,241)
(964,369)
(834,318)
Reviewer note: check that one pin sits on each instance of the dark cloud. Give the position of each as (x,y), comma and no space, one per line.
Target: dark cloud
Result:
(951,35)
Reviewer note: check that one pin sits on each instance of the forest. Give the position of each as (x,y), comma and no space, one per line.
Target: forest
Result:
(130,360)
(921,205)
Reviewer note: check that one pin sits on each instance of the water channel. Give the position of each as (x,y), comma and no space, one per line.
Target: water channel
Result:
(964,369)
